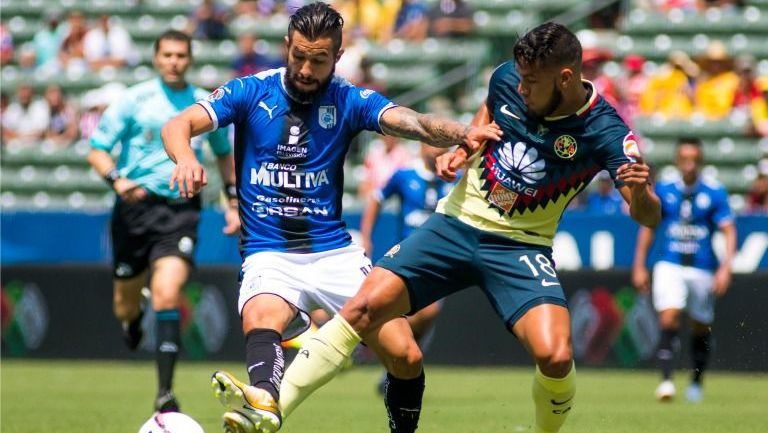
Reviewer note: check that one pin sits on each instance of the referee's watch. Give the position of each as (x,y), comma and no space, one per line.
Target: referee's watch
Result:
(111,177)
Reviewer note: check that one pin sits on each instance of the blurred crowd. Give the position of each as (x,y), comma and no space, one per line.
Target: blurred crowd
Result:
(714,86)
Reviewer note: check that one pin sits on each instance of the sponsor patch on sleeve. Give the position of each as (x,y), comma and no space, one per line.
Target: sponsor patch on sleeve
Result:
(631,149)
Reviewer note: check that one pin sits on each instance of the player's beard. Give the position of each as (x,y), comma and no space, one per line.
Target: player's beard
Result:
(554,102)
(303,96)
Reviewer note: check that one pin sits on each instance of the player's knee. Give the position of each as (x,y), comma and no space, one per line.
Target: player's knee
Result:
(124,312)
(407,363)
(556,361)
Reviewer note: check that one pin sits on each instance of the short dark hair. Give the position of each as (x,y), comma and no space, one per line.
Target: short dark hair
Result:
(550,44)
(174,35)
(317,20)
(691,140)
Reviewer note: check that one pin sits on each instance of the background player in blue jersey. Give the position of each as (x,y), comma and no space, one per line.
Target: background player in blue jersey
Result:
(687,275)
(419,190)
(153,230)
(293,127)
(495,228)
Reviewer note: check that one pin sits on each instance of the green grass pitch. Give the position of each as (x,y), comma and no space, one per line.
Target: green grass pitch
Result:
(116,397)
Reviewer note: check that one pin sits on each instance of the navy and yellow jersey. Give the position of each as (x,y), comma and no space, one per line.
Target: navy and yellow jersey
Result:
(135,121)
(289,158)
(689,218)
(520,186)
(419,190)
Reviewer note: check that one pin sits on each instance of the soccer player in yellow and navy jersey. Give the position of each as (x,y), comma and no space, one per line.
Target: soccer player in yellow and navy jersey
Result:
(495,229)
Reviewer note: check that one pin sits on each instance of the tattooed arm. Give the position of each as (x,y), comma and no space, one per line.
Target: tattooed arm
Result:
(435,130)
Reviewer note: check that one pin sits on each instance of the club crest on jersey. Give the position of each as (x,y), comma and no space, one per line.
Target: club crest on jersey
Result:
(502,197)
(565,146)
(392,251)
(631,149)
(326,116)
(215,95)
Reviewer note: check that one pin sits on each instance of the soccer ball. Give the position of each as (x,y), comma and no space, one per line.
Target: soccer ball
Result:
(171,422)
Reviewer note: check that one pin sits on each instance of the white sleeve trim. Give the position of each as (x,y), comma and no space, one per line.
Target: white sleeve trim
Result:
(381,113)
(211,113)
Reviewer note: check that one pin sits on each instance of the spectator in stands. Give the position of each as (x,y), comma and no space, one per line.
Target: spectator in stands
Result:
(384,157)
(759,109)
(5,101)
(592,61)
(757,196)
(93,104)
(717,86)
(26,119)
(72,49)
(375,18)
(250,61)
(6,45)
(632,85)
(27,60)
(254,8)
(412,22)
(350,65)
(725,5)
(209,21)
(108,45)
(670,91)
(748,97)
(605,198)
(48,39)
(450,18)
(62,127)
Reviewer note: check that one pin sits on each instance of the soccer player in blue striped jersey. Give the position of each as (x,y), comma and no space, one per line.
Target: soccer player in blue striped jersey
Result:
(688,275)
(152,228)
(293,127)
(495,228)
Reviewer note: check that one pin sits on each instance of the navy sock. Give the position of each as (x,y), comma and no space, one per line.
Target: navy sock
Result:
(402,398)
(168,342)
(700,349)
(264,360)
(666,352)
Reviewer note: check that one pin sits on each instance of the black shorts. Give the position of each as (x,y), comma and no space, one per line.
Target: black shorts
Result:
(445,255)
(150,229)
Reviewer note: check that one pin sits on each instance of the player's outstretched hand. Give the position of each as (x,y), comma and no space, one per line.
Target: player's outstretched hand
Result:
(478,135)
(447,164)
(634,173)
(189,176)
(641,279)
(722,281)
(231,221)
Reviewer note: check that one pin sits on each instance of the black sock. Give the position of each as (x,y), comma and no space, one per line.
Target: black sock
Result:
(264,360)
(666,352)
(700,349)
(402,398)
(168,341)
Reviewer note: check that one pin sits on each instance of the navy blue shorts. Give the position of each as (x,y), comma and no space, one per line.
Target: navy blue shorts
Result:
(445,255)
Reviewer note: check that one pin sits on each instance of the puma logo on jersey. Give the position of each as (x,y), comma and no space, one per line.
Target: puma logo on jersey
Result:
(266,108)
(506,111)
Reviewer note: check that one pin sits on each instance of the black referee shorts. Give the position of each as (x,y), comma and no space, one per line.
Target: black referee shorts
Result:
(150,229)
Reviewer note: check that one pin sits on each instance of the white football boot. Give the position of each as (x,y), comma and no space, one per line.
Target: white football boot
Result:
(665,391)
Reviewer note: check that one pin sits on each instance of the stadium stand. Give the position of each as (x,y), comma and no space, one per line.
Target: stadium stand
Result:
(49,177)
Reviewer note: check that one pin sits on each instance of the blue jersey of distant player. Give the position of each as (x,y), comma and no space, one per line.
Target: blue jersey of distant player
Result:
(135,121)
(689,218)
(419,191)
(289,158)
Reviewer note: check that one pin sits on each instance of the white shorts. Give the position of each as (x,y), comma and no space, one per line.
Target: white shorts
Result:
(684,287)
(308,281)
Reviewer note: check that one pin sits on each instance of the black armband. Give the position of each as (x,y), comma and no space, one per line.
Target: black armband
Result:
(111,177)
(230,190)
